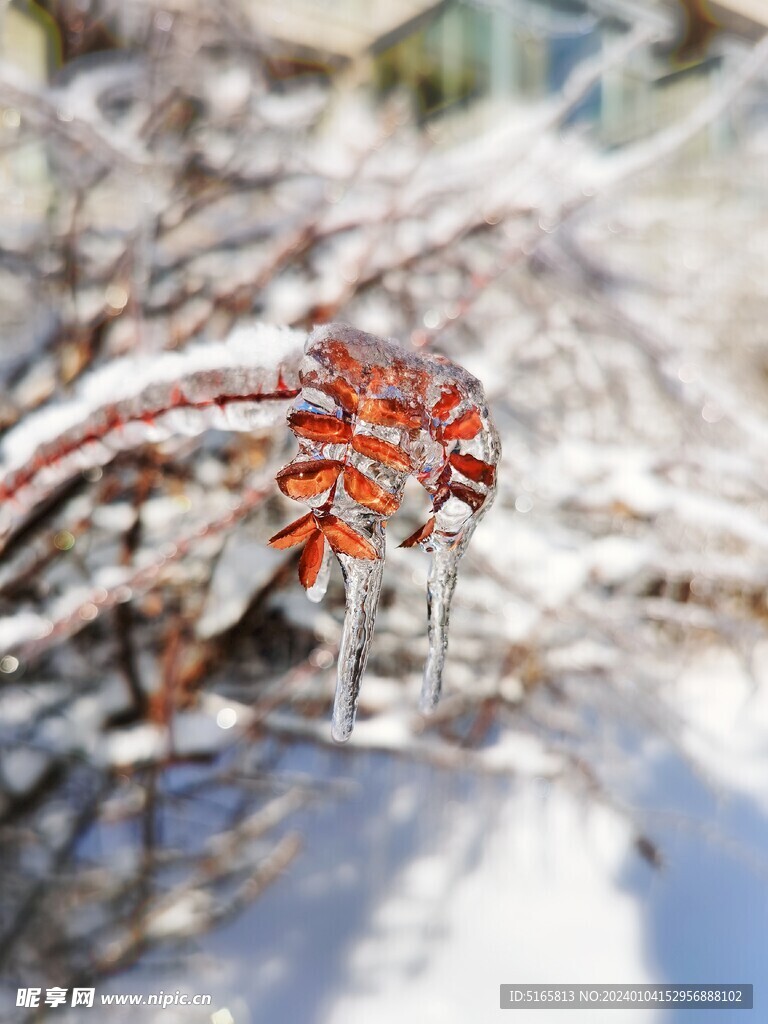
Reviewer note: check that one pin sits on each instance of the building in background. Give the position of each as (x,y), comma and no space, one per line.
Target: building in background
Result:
(469,62)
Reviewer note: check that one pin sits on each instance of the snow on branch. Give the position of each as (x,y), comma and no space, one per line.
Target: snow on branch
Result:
(241,384)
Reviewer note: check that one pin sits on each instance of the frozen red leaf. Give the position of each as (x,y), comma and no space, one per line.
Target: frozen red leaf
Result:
(474,499)
(295,533)
(346,541)
(311,559)
(474,469)
(343,392)
(320,427)
(388,412)
(464,428)
(367,492)
(446,403)
(385,452)
(308,479)
(421,534)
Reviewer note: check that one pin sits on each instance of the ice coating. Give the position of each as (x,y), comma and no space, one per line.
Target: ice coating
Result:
(242,384)
(368,415)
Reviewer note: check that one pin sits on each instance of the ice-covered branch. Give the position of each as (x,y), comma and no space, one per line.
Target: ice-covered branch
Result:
(369,415)
(25,638)
(241,384)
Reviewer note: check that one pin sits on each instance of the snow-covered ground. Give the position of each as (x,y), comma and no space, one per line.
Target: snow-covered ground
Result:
(423,890)
(420,890)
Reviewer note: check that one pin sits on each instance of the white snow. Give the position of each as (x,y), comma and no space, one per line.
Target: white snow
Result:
(21,627)
(248,347)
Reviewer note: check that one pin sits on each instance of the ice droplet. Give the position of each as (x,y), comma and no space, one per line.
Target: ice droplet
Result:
(317,591)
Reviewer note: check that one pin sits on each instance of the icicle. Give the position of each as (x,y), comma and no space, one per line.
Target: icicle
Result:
(440,587)
(362,584)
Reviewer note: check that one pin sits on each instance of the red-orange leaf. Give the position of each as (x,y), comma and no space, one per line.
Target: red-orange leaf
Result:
(311,559)
(319,426)
(342,391)
(339,357)
(308,478)
(421,534)
(364,491)
(346,541)
(474,469)
(398,374)
(294,534)
(448,400)
(472,498)
(388,412)
(385,452)
(467,426)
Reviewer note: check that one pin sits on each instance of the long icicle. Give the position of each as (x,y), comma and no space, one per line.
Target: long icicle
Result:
(440,587)
(362,585)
